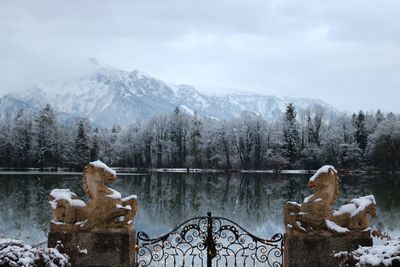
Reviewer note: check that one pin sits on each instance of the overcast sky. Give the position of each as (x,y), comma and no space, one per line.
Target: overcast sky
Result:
(346,52)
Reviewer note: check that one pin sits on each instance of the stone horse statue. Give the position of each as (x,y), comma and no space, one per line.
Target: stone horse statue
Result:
(354,215)
(105,208)
(316,215)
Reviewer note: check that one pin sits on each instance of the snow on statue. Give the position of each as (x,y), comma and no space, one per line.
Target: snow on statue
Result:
(316,216)
(105,208)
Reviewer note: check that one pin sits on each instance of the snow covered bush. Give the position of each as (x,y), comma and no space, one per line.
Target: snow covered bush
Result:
(387,254)
(15,253)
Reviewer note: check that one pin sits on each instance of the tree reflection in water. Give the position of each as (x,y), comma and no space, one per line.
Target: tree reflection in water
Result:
(254,201)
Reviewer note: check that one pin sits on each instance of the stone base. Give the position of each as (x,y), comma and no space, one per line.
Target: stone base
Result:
(103,248)
(316,251)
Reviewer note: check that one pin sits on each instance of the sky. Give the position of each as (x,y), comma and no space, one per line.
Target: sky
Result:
(345,52)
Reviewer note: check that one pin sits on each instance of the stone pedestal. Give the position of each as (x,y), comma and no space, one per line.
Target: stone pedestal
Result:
(105,249)
(318,251)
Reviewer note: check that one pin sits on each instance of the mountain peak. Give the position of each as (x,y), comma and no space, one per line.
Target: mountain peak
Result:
(114,96)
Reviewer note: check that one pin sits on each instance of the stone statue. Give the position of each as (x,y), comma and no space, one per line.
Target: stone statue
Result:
(104,210)
(316,215)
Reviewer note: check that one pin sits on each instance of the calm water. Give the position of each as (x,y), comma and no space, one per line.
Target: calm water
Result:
(255,201)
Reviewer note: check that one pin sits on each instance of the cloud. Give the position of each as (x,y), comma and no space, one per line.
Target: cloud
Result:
(345,52)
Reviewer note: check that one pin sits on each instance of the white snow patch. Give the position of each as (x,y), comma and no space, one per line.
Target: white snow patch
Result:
(293,203)
(323,169)
(114,194)
(16,253)
(127,207)
(129,198)
(348,208)
(355,206)
(362,203)
(306,199)
(187,110)
(377,255)
(99,164)
(300,226)
(67,195)
(333,226)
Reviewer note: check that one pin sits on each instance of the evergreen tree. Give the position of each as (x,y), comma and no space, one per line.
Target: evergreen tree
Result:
(22,138)
(94,149)
(360,134)
(290,134)
(82,151)
(46,138)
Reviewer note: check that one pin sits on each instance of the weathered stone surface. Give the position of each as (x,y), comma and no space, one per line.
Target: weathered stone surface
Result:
(105,209)
(318,251)
(103,248)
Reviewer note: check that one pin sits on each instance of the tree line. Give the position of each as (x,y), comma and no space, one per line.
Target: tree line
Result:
(304,140)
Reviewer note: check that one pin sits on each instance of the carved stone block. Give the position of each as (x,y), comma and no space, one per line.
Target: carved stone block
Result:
(97,249)
(318,251)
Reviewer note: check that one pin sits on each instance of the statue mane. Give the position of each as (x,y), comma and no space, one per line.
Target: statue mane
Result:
(85,181)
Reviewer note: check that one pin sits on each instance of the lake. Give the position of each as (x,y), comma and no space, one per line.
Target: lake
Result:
(254,201)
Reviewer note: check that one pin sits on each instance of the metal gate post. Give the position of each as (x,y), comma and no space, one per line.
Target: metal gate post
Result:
(210,243)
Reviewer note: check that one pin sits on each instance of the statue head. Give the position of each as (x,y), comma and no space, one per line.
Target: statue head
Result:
(326,178)
(95,176)
(99,174)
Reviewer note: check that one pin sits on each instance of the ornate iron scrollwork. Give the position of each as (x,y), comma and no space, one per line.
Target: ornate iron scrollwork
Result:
(209,241)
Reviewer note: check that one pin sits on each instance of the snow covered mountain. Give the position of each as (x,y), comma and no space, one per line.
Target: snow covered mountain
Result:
(112,96)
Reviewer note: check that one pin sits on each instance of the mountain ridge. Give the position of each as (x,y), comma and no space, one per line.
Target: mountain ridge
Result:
(113,96)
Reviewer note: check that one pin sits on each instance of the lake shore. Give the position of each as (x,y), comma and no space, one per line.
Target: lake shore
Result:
(133,171)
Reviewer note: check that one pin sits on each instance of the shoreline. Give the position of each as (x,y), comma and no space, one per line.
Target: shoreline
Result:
(144,171)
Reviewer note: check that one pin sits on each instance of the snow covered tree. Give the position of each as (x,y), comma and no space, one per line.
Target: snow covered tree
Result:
(82,148)
(6,143)
(224,143)
(95,146)
(259,130)
(243,135)
(147,140)
(178,137)
(386,139)
(314,125)
(360,134)
(195,140)
(46,138)
(22,139)
(290,134)
(160,136)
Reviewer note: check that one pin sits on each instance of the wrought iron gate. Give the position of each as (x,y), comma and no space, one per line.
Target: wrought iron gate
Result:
(209,241)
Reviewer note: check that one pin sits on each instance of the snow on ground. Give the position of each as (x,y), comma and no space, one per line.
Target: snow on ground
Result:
(102,165)
(323,169)
(386,254)
(16,253)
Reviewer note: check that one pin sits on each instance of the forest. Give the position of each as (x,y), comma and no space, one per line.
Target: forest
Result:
(297,140)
